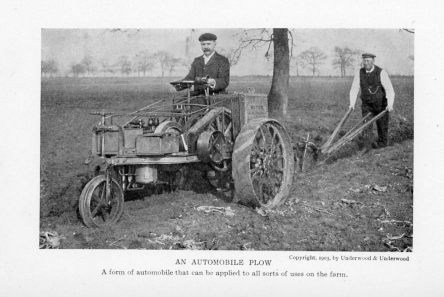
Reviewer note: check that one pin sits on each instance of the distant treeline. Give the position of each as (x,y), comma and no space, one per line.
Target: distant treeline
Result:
(345,60)
(233,77)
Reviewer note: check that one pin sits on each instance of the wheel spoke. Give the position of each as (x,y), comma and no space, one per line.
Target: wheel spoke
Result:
(103,194)
(218,123)
(96,209)
(228,130)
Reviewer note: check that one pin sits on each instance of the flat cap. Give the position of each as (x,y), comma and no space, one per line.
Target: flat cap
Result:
(207,36)
(367,55)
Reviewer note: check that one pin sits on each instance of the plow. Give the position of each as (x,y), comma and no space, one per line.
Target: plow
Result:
(333,145)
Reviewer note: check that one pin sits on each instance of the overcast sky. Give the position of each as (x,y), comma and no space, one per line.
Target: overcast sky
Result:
(68,46)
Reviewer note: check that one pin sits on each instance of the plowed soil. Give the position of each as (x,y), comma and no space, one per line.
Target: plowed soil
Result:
(352,201)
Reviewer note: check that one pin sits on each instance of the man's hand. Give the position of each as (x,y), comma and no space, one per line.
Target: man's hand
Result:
(212,82)
(389,108)
(351,107)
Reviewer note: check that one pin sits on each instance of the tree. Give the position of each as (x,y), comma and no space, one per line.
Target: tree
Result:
(88,63)
(313,57)
(144,62)
(298,64)
(165,61)
(78,69)
(281,38)
(125,65)
(344,58)
(104,66)
(231,55)
(278,95)
(49,67)
(173,63)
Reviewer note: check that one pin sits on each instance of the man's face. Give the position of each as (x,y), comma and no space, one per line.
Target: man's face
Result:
(208,47)
(368,63)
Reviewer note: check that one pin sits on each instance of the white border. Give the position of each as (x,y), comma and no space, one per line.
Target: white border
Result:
(27,271)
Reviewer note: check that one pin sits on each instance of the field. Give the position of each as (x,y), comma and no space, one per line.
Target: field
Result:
(354,201)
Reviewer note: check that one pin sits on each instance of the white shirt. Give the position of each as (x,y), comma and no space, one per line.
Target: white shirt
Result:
(385,81)
(206,59)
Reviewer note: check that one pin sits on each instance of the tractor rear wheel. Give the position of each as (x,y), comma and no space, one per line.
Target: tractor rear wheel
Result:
(263,164)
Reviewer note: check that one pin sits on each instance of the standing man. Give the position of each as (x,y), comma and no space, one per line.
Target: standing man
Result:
(377,94)
(210,64)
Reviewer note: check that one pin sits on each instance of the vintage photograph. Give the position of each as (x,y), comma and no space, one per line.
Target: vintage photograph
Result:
(263,139)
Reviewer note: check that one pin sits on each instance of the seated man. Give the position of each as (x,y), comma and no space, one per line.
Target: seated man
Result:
(212,65)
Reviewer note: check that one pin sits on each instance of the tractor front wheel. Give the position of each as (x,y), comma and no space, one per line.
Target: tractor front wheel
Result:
(98,210)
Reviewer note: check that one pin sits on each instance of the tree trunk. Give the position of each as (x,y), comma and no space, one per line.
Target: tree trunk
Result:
(278,95)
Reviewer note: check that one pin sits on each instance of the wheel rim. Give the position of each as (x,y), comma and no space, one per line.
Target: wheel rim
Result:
(267,163)
(264,164)
(94,208)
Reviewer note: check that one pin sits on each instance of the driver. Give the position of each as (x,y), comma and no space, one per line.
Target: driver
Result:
(212,65)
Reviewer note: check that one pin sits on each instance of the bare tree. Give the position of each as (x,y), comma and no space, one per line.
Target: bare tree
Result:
(125,65)
(313,57)
(344,58)
(49,67)
(88,62)
(231,55)
(144,62)
(78,69)
(164,59)
(281,39)
(104,66)
(298,64)
(173,63)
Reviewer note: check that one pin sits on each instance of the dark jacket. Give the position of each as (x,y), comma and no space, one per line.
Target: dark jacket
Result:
(218,68)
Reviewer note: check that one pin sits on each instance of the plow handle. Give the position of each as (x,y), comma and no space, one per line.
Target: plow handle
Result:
(336,131)
(350,136)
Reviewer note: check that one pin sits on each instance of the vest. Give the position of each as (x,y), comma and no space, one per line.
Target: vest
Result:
(371,86)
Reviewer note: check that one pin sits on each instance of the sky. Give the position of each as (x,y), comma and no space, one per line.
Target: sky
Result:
(392,47)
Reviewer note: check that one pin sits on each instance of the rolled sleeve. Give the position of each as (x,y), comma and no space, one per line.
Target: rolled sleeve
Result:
(388,87)
(354,89)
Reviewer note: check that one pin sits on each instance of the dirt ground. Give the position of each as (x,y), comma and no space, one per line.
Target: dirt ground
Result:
(353,201)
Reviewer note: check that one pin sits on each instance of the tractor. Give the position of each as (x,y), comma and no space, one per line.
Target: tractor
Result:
(230,137)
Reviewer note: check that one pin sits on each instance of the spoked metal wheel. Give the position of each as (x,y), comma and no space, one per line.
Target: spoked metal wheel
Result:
(264,164)
(216,137)
(95,209)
